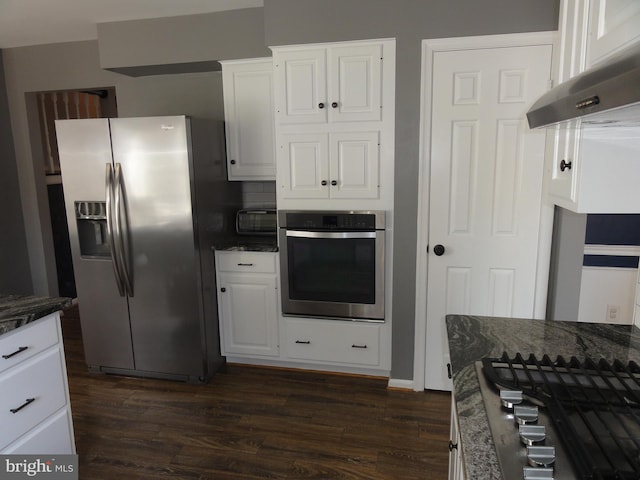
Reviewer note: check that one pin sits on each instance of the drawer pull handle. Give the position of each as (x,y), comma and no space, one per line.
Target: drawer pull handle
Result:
(19,350)
(27,402)
(305,342)
(358,346)
(245,264)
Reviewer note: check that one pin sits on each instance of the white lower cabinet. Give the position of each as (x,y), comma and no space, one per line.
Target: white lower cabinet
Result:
(248,112)
(248,303)
(456,465)
(35,411)
(332,341)
(53,437)
(253,331)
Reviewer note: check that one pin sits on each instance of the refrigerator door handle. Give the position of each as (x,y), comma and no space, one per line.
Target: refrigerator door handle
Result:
(110,230)
(122,234)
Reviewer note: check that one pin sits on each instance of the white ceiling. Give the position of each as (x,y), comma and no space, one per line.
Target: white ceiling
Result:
(34,22)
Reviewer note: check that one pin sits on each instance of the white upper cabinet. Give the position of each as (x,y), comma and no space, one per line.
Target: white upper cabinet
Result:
(339,165)
(596,171)
(613,25)
(564,140)
(301,80)
(335,118)
(328,84)
(593,170)
(248,111)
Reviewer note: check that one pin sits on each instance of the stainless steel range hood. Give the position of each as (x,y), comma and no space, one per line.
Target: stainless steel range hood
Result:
(606,95)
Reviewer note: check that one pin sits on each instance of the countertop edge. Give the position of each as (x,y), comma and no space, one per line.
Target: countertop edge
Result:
(19,310)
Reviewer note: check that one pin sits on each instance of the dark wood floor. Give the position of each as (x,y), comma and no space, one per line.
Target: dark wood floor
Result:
(253,423)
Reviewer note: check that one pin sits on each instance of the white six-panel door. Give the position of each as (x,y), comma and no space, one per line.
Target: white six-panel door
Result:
(485,191)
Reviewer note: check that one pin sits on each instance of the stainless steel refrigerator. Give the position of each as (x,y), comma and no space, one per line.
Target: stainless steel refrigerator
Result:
(146,198)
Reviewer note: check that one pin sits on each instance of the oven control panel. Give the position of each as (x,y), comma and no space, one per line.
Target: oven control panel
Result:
(331,221)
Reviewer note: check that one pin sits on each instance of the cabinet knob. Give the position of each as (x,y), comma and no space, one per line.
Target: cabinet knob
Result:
(334,182)
(334,105)
(321,105)
(565,166)
(223,289)
(232,162)
(323,183)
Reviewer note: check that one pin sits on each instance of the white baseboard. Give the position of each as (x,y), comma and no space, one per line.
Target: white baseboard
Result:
(401,384)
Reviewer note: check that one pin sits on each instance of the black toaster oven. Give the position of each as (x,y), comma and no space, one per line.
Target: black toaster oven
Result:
(256,221)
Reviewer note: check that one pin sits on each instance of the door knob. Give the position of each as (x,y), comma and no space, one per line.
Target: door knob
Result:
(438,250)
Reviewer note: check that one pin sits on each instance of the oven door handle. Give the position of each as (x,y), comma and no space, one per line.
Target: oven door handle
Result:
(338,235)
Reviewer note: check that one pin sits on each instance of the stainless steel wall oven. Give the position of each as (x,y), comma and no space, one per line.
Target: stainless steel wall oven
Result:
(332,263)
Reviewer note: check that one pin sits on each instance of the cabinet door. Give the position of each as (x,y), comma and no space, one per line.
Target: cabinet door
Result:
(301,86)
(354,165)
(54,436)
(565,164)
(331,341)
(249,316)
(27,341)
(613,25)
(355,75)
(303,165)
(456,468)
(248,111)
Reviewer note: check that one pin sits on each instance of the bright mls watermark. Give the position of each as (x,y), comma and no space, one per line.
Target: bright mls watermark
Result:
(50,467)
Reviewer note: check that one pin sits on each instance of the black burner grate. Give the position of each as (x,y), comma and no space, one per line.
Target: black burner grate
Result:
(594,406)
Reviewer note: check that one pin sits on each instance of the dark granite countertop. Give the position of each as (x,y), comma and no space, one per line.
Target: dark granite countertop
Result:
(472,337)
(249,243)
(18,310)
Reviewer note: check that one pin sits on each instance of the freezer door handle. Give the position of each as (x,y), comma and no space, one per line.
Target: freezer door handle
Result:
(122,228)
(110,230)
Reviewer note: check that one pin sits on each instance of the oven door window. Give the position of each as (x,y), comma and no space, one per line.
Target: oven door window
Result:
(332,270)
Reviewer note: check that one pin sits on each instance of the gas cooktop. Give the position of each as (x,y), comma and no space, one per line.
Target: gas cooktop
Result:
(563,419)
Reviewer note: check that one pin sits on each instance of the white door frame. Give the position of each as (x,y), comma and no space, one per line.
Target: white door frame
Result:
(429,48)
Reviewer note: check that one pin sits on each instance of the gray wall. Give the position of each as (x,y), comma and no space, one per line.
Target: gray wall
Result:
(145,43)
(15,276)
(191,39)
(409,21)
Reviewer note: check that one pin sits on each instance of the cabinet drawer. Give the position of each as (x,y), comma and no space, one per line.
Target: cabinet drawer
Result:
(53,437)
(40,379)
(247,262)
(27,341)
(327,341)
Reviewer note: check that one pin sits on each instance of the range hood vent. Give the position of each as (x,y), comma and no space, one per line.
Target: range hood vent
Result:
(606,95)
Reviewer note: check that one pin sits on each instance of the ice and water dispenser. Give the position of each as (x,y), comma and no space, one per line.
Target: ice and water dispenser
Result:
(91,219)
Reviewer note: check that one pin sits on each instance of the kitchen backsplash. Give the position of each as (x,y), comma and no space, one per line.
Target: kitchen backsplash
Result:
(258,194)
